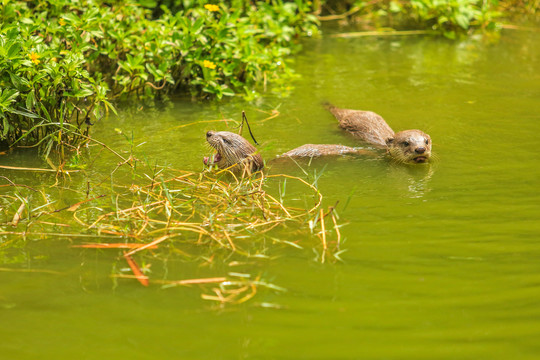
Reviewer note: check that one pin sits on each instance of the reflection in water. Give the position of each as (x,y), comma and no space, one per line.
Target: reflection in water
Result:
(414,178)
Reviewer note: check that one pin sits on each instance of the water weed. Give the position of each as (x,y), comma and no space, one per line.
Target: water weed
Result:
(172,215)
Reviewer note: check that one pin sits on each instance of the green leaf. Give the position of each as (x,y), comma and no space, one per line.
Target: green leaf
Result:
(395,7)
(80,93)
(197,26)
(450,34)
(8,96)
(110,106)
(26,113)
(7,127)
(30,100)
(20,83)
(13,50)
(462,21)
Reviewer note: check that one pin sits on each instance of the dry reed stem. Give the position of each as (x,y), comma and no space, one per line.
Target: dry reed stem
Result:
(314,208)
(44,271)
(338,233)
(18,215)
(273,114)
(150,244)
(280,205)
(114,246)
(36,169)
(233,247)
(323,235)
(202,210)
(191,281)
(202,121)
(143,279)
(382,33)
(53,234)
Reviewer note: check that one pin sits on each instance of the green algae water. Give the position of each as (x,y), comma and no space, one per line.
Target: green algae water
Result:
(442,260)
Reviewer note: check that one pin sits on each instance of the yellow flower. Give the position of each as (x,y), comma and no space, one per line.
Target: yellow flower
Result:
(34,57)
(209,64)
(62,22)
(211,7)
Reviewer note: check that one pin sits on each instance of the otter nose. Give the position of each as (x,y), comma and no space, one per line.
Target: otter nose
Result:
(420,150)
(210,133)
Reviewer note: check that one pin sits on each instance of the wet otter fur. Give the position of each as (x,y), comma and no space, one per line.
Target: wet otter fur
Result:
(316,150)
(233,152)
(408,146)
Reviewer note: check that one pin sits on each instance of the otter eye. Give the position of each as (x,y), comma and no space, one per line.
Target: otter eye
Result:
(406,143)
(427,141)
(226,141)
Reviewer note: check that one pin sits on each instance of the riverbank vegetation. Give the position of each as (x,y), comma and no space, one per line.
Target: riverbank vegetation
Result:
(448,18)
(65,63)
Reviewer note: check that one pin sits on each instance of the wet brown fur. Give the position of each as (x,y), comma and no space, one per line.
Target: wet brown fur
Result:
(235,152)
(404,146)
(315,150)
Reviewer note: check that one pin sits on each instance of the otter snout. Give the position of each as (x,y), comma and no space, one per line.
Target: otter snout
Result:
(410,146)
(233,152)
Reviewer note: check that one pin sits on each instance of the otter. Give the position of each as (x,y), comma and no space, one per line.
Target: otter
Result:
(408,146)
(316,150)
(233,152)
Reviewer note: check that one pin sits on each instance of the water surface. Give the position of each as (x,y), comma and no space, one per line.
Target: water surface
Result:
(442,260)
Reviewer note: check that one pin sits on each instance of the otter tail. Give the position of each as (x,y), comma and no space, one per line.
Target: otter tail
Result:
(327,105)
(333,109)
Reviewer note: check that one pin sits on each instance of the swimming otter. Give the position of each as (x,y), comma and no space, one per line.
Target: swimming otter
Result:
(405,146)
(233,152)
(315,150)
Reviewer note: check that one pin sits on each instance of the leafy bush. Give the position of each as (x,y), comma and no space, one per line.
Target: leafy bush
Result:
(448,17)
(62,62)
(453,16)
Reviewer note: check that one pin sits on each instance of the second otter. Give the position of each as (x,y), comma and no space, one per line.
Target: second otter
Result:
(404,146)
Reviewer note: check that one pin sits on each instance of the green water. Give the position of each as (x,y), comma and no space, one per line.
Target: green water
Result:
(442,261)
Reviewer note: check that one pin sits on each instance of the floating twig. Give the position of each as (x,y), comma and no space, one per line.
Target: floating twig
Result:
(143,279)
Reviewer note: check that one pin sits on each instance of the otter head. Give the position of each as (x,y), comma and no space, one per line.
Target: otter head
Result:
(233,151)
(410,146)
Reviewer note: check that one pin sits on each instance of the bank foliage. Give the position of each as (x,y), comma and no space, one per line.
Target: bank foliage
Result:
(450,18)
(64,63)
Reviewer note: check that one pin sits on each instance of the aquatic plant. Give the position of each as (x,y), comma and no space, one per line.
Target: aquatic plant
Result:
(196,217)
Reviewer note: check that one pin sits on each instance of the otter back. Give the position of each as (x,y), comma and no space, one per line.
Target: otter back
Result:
(365,125)
(408,146)
(315,150)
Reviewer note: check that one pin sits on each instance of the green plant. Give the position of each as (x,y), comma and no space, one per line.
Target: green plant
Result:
(62,63)
(44,90)
(453,16)
(447,17)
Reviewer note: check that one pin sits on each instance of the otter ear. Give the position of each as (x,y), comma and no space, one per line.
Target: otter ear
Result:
(389,141)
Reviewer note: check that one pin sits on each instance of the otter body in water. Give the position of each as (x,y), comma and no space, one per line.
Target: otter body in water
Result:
(405,146)
(315,150)
(233,152)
